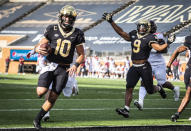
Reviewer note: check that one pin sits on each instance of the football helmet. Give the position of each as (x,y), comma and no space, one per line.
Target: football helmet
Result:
(143,27)
(67,16)
(153,27)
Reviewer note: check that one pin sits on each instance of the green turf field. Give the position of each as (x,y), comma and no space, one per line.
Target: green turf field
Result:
(94,106)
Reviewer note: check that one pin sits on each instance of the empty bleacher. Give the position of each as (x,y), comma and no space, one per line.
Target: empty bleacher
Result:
(12,12)
(101,38)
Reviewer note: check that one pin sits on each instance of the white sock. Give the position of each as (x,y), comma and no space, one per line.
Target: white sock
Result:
(142,94)
(127,107)
(47,114)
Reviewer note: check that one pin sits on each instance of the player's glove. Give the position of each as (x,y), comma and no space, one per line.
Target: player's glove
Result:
(108,17)
(171,39)
(168,71)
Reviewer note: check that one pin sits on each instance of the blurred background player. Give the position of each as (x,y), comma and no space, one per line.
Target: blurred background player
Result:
(142,41)
(176,64)
(63,40)
(7,62)
(41,61)
(21,65)
(186,46)
(158,70)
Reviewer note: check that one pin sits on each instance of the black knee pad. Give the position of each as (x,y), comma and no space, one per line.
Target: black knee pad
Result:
(52,100)
(167,84)
(52,97)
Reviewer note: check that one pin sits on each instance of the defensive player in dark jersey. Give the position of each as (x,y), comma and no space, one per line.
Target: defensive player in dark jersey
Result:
(63,39)
(187,76)
(158,65)
(142,41)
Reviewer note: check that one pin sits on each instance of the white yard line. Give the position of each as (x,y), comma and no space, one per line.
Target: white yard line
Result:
(78,99)
(84,109)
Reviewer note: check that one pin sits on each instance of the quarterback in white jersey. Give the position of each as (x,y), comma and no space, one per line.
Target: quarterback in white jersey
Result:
(158,65)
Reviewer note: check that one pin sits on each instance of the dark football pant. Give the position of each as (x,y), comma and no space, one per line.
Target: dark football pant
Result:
(187,76)
(59,77)
(144,72)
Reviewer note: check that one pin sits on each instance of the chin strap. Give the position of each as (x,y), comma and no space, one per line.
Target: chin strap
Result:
(65,29)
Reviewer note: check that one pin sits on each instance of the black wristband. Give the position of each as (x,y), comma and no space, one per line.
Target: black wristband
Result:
(77,64)
(110,21)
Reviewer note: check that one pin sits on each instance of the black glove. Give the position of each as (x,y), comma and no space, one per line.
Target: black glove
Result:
(108,17)
(168,71)
(171,39)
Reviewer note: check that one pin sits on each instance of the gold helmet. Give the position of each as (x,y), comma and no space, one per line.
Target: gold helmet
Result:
(67,11)
(143,27)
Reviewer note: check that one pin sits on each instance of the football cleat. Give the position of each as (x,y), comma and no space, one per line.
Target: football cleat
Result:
(136,103)
(189,118)
(176,93)
(124,112)
(75,91)
(174,117)
(45,118)
(37,125)
(162,93)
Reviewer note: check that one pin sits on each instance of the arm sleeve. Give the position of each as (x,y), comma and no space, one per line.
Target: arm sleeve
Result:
(152,40)
(132,33)
(80,38)
(47,32)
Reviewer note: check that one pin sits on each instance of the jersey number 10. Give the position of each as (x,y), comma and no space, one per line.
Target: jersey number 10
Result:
(63,47)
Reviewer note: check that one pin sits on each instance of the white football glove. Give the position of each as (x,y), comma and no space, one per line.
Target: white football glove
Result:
(171,38)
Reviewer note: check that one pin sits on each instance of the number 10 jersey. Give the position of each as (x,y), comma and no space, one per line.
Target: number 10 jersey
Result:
(63,44)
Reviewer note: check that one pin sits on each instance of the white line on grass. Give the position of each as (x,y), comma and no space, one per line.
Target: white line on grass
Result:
(87,109)
(76,99)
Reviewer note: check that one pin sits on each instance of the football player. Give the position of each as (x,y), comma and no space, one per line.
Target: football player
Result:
(142,41)
(64,39)
(43,66)
(187,75)
(158,70)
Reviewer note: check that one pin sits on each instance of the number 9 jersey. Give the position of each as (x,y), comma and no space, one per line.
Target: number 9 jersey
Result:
(63,44)
(141,45)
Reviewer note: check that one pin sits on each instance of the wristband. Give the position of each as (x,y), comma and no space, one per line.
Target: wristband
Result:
(77,64)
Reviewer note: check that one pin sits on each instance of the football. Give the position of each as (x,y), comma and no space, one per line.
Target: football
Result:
(46,48)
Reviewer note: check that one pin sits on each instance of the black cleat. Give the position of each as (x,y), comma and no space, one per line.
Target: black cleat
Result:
(124,112)
(162,93)
(37,125)
(174,117)
(45,118)
(136,103)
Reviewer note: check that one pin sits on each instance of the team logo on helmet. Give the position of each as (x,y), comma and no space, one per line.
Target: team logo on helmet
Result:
(70,12)
(143,27)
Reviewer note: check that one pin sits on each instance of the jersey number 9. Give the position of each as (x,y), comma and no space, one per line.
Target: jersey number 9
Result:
(136,46)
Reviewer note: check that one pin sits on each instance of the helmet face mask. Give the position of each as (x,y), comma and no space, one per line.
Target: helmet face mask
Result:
(143,27)
(153,27)
(67,17)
